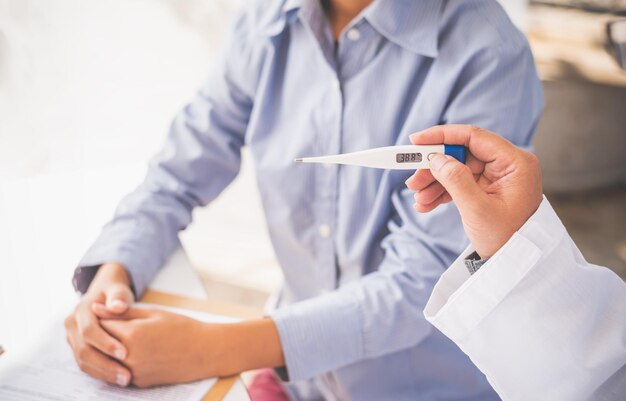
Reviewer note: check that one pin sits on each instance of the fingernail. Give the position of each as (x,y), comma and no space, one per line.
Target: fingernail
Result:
(116,303)
(415,195)
(436,161)
(120,354)
(416,134)
(121,379)
(407,181)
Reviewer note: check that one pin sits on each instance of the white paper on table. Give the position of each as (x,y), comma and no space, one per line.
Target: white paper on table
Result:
(48,372)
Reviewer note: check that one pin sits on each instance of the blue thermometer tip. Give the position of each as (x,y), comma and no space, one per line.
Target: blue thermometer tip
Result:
(456,151)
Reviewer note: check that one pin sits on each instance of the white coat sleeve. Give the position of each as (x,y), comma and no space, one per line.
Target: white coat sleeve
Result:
(538,320)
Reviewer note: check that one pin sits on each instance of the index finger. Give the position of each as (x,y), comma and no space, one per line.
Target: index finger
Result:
(483,144)
(93,334)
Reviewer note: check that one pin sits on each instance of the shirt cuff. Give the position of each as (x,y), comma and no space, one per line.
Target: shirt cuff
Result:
(319,334)
(113,247)
(460,301)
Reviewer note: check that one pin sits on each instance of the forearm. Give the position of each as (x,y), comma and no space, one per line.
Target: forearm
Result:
(244,346)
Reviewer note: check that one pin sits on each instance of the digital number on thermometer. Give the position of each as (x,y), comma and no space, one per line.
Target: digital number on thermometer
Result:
(408,157)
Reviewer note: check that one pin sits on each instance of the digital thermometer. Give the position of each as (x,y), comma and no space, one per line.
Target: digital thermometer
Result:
(404,157)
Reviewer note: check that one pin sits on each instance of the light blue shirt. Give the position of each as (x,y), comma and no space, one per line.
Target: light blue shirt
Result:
(359,263)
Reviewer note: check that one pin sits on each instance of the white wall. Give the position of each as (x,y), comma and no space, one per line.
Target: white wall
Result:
(87,91)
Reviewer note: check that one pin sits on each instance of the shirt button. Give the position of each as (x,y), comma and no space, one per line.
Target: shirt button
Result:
(336,85)
(324,231)
(323,291)
(354,34)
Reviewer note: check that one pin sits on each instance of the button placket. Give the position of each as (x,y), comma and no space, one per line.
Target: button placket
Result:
(328,176)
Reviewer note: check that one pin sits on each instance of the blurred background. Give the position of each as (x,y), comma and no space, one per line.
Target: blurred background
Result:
(88,89)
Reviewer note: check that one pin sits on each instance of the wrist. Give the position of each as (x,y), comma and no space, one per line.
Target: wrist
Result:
(246,346)
(490,240)
(109,273)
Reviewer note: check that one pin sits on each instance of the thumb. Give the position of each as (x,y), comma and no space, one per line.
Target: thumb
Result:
(119,297)
(458,181)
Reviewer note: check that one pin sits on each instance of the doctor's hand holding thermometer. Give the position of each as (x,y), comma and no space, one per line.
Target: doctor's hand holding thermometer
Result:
(496,191)
(536,318)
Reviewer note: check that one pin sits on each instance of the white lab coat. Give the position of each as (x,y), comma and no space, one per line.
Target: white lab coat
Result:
(538,320)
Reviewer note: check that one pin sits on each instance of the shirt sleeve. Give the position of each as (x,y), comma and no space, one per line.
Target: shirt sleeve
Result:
(383,312)
(537,319)
(498,89)
(200,158)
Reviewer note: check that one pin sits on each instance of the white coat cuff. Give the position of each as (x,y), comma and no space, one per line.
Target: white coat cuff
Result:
(460,301)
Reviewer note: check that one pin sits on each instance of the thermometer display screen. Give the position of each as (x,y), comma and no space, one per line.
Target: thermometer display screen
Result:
(408,157)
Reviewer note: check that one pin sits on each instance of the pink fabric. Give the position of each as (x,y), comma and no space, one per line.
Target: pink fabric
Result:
(265,386)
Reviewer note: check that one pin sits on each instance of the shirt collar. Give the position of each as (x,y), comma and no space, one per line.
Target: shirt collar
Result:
(411,24)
